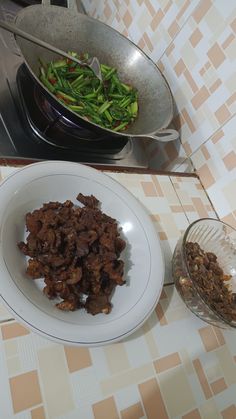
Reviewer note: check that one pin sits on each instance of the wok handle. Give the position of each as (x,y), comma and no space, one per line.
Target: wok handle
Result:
(164,135)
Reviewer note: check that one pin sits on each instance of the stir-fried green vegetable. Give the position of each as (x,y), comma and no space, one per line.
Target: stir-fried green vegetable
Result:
(111,103)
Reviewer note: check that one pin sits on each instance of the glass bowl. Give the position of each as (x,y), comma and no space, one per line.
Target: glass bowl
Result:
(219,239)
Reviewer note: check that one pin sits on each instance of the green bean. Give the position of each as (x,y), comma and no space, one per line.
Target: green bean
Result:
(42,63)
(90,96)
(47,83)
(81,84)
(109,73)
(60,63)
(75,108)
(67,97)
(125,102)
(121,126)
(108,115)
(80,77)
(73,54)
(101,98)
(49,71)
(42,71)
(126,87)
(104,107)
(134,108)
(116,96)
(105,68)
(57,76)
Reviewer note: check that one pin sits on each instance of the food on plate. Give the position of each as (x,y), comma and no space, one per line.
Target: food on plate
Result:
(210,281)
(77,252)
(110,104)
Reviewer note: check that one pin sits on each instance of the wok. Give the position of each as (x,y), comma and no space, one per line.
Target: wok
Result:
(72,31)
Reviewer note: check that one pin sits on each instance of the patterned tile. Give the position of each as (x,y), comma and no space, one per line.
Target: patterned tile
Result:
(161,201)
(216,164)
(25,391)
(148,23)
(4,314)
(133,390)
(169,156)
(199,69)
(193,198)
(174,366)
(194,44)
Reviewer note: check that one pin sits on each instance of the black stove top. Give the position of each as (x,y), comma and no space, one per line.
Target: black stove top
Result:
(51,127)
(29,129)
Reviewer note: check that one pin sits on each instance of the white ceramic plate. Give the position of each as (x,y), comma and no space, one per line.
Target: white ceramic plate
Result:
(30,187)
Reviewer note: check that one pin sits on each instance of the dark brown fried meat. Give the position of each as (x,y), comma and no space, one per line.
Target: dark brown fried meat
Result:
(98,304)
(88,201)
(210,281)
(76,250)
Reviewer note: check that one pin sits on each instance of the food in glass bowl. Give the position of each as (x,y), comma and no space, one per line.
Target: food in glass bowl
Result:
(204,270)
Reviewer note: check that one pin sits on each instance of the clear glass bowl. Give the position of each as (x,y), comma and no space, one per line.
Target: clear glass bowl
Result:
(212,236)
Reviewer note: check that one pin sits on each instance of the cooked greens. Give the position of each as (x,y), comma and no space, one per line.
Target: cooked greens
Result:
(110,104)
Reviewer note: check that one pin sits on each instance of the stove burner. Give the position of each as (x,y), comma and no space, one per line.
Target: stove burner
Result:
(27,2)
(53,128)
(62,3)
(26,133)
(53,115)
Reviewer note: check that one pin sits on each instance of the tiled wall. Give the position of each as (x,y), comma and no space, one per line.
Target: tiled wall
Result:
(194,44)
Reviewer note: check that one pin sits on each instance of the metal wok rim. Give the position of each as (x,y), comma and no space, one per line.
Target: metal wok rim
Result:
(96,126)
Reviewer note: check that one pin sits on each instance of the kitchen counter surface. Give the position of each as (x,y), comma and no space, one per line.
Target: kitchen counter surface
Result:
(175,366)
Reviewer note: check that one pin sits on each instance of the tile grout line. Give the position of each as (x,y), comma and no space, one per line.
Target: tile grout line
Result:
(173,39)
(210,136)
(213,208)
(179,199)
(180,29)
(167,284)
(7,321)
(209,199)
(194,172)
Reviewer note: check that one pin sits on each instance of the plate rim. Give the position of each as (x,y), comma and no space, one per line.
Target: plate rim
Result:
(134,201)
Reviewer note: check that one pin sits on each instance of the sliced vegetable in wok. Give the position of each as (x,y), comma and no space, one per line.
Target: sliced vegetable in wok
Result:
(110,104)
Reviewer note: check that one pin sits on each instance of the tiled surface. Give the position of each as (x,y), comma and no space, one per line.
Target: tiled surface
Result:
(148,23)
(175,366)
(216,164)
(200,70)
(169,156)
(152,25)
(194,44)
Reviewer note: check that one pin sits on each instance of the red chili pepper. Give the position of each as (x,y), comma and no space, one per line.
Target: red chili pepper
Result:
(52,81)
(62,98)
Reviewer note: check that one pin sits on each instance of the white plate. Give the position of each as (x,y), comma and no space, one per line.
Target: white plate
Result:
(30,187)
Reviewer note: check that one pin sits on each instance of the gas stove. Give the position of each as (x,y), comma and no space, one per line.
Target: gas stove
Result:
(31,129)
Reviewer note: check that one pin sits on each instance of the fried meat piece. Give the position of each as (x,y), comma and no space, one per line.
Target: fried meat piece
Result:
(76,250)
(96,304)
(88,201)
